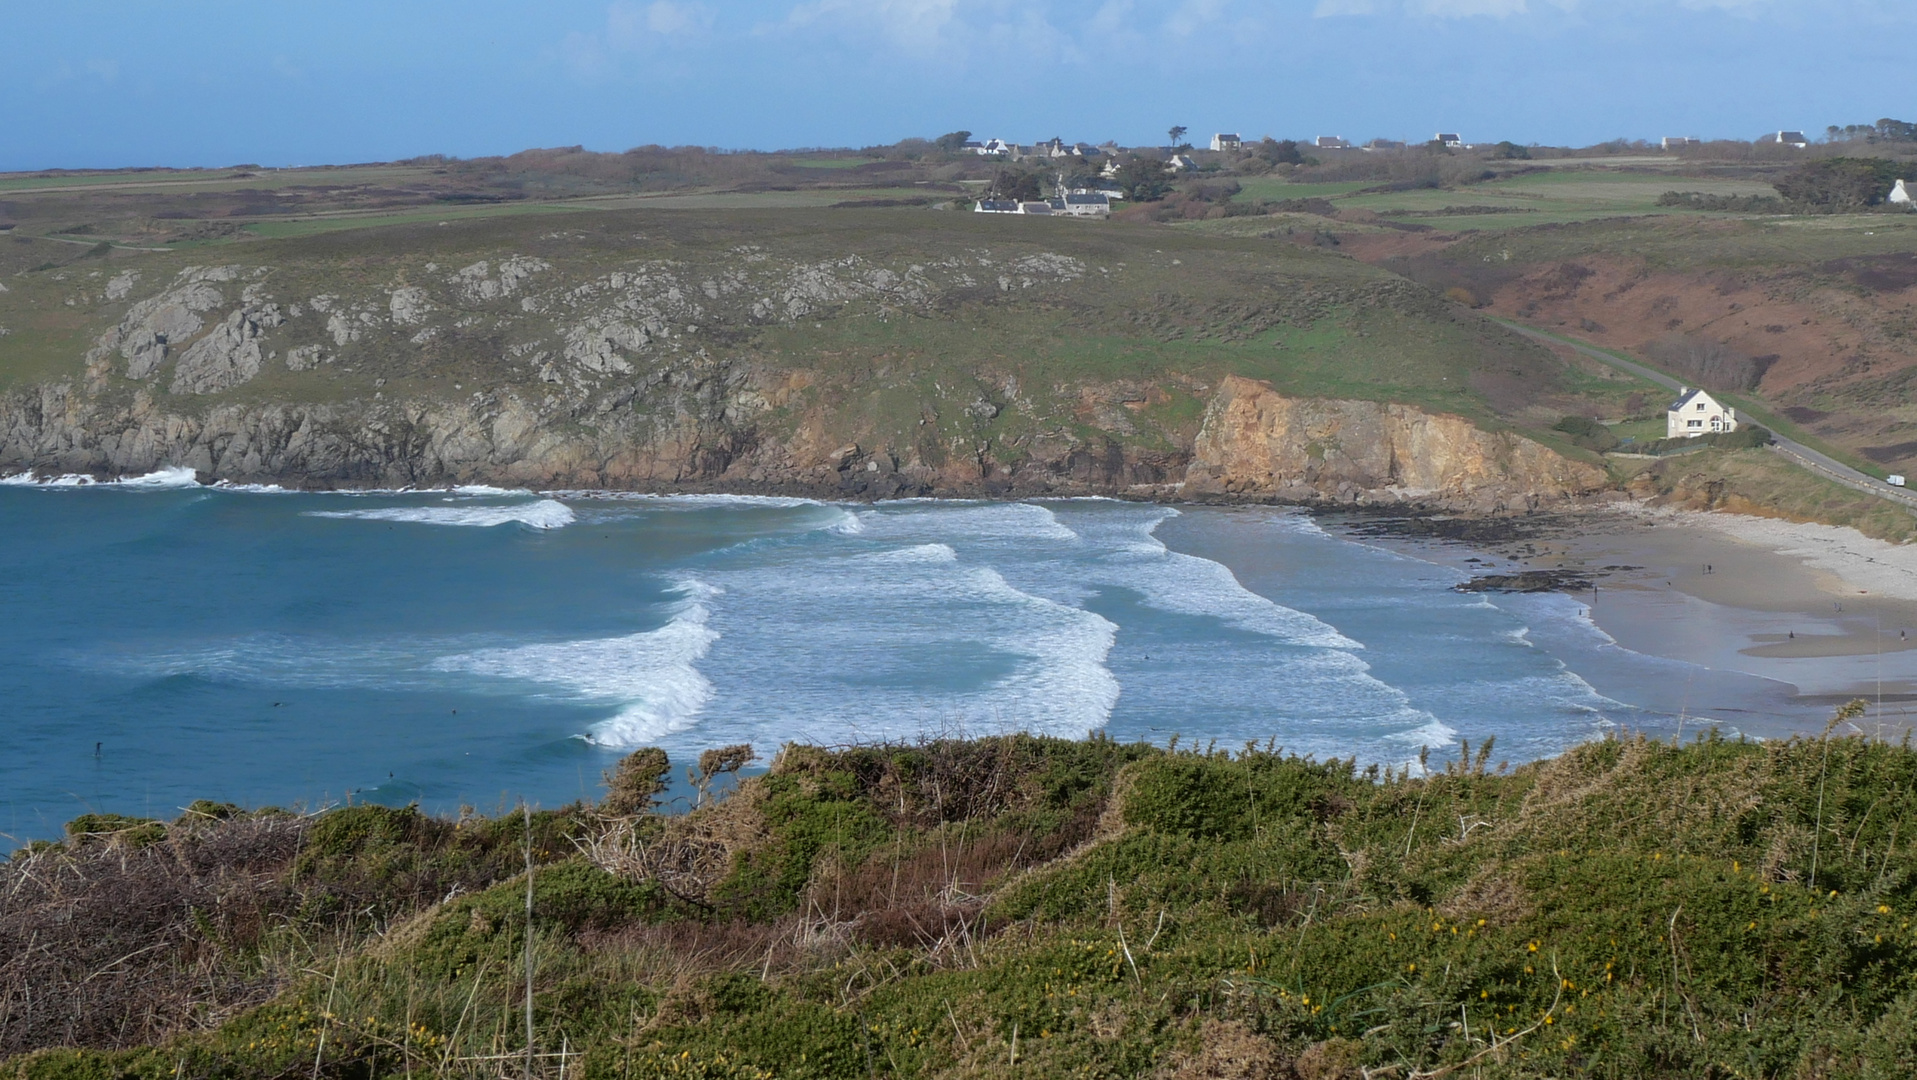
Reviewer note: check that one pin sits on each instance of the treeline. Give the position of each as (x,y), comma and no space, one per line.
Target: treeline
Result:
(1830,186)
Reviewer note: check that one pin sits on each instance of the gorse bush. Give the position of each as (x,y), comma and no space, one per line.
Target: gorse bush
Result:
(1034,907)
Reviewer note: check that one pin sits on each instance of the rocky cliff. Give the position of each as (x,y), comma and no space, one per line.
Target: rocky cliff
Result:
(834,356)
(1257,442)
(1254,444)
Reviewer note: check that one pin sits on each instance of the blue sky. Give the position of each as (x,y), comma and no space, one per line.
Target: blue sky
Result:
(91,83)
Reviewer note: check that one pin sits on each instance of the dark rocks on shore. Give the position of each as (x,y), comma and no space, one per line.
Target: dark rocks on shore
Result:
(1530,581)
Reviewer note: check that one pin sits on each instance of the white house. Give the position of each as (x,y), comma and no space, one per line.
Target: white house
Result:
(1679,142)
(1697,413)
(1226,142)
(1792,138)
(991,148)
(1040,207)
(1450,139)
(1181,163)
(1331,142)
(1899,195)
(996,206)
(1082,204)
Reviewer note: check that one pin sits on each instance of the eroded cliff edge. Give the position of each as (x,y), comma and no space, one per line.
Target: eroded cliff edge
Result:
(1254,444)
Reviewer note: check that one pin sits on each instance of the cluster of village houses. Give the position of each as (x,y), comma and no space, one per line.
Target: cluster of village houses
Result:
(1097,202)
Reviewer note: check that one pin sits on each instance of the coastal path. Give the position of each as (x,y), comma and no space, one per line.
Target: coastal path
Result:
(1820,463)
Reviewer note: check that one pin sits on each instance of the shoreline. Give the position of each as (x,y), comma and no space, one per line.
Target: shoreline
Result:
(1790,619)
(1775,623)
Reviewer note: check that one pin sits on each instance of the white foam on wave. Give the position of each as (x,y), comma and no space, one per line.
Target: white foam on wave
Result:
(652,677)
(881,639)
(543,514)
(692,500)
(169,478)
(1189,585)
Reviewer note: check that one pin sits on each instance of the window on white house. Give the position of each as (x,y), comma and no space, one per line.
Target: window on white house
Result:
(1700,406)
(1696,423)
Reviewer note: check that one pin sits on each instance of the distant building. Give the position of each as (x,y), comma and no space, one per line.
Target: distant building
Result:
(997,206)
(1384,144)
(1181,162)
(1226,142)
(1331,142)
(1899,195)
(1056,148)
(1449,139)
(1792,138)
(991,148)
(1678,142)
(1040,207)
(1697,413)
(1090,204)
(1086,150)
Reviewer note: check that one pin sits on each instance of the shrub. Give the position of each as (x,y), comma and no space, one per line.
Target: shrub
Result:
(1587,433)
(1836,185)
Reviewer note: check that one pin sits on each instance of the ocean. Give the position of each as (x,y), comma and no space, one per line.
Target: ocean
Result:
(163,641)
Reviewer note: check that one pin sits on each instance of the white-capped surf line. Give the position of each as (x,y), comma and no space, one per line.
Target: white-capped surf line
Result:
(169,478)
(543,514)
(652,677)
(871,640)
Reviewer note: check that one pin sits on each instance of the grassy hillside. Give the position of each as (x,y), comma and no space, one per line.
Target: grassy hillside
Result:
(929,330)
(1011,907)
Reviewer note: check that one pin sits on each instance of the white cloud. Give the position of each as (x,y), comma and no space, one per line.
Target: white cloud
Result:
(918,26)
(633,26)
(1463,9)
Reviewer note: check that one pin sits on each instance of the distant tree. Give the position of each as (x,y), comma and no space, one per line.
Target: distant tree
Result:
(1510,151)
(1177,134)
(1016,184)
(1143,178)
(1279,152)
(1896,130)
(952,142)
(1838,184)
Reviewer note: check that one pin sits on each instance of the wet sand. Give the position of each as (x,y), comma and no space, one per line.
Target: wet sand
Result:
(1826,612)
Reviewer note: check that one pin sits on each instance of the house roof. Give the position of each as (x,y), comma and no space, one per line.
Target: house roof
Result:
(1086,199)
(1007,206)
(1689,395)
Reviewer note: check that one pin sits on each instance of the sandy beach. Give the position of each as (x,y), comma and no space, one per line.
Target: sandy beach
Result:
(1823,611)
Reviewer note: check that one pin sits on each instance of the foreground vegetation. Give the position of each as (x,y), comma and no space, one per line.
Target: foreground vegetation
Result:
(1010,907)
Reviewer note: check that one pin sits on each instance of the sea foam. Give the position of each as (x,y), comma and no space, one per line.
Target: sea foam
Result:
(168,478)
(651,677)
(543,514)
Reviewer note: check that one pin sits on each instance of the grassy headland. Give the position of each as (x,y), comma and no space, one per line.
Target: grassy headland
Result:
(1011,907)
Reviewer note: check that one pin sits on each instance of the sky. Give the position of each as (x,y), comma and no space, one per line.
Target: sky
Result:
(110,83)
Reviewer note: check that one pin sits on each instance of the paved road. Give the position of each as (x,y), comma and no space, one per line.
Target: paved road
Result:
(1822,464)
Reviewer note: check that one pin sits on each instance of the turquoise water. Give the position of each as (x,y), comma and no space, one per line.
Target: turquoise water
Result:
(164,641)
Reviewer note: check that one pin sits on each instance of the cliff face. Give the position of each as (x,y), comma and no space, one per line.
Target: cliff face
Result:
(834,356)
(1254,444)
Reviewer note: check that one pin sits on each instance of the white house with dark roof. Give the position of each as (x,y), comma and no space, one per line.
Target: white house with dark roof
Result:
(1331,142)
(1899,195)
(1226,142)
(1181,163)
(1697,413)
(1450,139)
(1792,138)
(996,206)
(1091,204)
